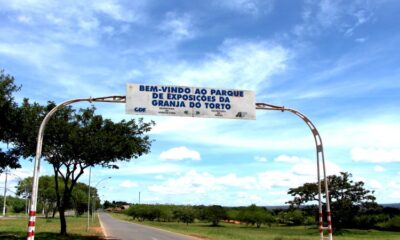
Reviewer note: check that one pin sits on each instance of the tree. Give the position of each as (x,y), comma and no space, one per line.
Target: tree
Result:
(214,214)
(14,204)
(255,215)
(76,140)
(46,195)
(107,204)
(8,114)
(185,214)
(347,198)
(79,198)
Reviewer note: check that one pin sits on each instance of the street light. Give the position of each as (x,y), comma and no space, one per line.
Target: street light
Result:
(94,201)
(89,198)
(7,172)
(5,194)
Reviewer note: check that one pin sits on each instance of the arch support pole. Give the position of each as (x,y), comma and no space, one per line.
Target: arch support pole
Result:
(35,181)
(320,160)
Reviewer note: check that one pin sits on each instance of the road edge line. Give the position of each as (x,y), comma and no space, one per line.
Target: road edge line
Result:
(103,229)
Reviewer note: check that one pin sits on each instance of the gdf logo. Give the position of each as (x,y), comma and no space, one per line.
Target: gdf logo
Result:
(138,109)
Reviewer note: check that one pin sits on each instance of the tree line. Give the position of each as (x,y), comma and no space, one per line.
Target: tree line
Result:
(352,206)
(252,215)
(256,216)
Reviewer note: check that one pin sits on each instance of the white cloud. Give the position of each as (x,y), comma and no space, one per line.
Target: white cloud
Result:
(24,19)
(361,40)
(128,184)
(179,27)
(33,53)
(288,159)
(305,166)
(78,10)
(379,168)
(192,182)
(231,133)
(116,11)
(251,7)
(305,170)
(234,181)
(374,184)
(260,159)
(309,167)
(74,22)
(341,16)
(180,153)
(369,135)
(394,191)
(239,64)
(136,169)
(375,155)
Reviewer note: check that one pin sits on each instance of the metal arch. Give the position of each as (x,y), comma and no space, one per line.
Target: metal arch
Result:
(320,157)
(35,184)
(122,99)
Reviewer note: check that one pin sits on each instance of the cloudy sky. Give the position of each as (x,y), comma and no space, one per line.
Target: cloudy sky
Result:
(335,61)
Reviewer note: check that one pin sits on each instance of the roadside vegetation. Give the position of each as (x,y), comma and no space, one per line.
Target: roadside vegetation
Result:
(48,229)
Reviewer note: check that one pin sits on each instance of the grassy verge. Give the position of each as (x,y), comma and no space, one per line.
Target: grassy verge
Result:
(49,229)
(241,232)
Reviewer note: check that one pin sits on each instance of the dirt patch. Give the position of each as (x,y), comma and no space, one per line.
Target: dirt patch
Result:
(199,237)
(98,231)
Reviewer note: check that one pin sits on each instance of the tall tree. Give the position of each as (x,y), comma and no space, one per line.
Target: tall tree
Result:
(347,198)
(8,114)
(76,140)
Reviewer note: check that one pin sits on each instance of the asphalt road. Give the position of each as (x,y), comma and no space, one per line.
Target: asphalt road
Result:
(122,230)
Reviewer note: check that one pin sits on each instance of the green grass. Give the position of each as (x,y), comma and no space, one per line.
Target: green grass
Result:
(241,232)
(49,229)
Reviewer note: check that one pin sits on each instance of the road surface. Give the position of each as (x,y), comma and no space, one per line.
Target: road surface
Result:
(121,230)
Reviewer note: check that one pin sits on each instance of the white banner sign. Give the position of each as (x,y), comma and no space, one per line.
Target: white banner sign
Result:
(190,101)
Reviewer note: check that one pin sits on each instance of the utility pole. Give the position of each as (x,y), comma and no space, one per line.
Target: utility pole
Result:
(5,195)
(88,206)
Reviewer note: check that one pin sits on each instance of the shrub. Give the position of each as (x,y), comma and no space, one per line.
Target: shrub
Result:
(392,224)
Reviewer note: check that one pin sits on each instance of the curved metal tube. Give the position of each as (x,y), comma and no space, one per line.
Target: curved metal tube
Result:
(320,157)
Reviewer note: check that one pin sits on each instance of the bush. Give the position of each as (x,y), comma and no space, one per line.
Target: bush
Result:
(392,224)
(369,221)
(310,221)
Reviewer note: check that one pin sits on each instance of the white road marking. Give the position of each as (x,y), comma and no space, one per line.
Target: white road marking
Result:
(102,227)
